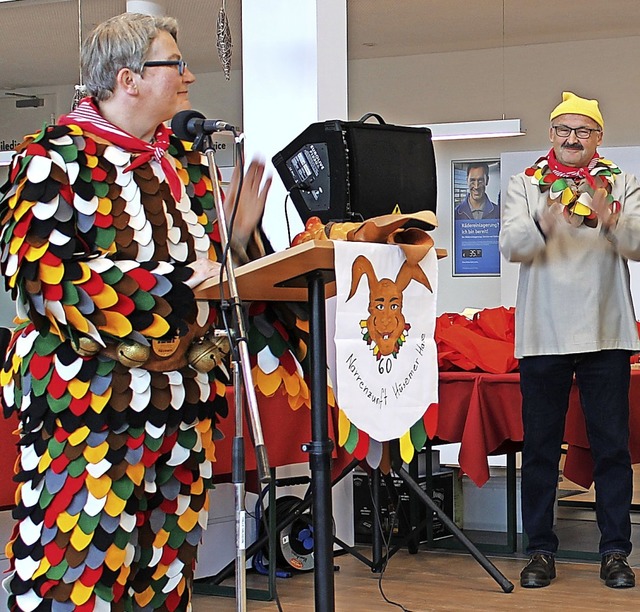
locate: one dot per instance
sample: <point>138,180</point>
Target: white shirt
<point>574,291</point>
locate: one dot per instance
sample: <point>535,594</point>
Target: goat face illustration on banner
<point>385,384</point>
<point>385,329</point>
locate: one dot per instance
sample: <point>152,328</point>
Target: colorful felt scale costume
<point>116,461</point>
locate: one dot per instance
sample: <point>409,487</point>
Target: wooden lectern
<point>302,274</point>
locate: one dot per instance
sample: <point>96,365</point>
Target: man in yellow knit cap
<point>572,221</point>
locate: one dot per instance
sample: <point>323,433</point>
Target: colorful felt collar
<point>574,187</point>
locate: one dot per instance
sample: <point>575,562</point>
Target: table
<point>284,430</point>
<point>482,411</point>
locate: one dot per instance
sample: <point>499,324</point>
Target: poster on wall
<point>476,217</point>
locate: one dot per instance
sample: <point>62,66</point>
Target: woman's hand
<point>203,269</point>
<point>253,198</point>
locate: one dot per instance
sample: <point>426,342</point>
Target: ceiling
<point>39,42</point>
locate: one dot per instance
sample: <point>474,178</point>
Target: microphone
<point>189,124</point>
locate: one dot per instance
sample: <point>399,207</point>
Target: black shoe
<point>615,571</point>
<point>539,572</point>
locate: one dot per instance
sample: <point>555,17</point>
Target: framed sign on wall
<point>476,217</point>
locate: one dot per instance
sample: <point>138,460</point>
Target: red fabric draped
<point>484,343</point>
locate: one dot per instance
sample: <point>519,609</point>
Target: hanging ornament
<point>80,91</point>
<point>223,40</point>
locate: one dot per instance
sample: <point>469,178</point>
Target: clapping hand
<point>251,203</point>
<point>550,218</point>
<point>600,206</point>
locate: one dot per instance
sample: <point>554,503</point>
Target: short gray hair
<point>120,42</point>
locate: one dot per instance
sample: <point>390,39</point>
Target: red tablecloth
<point>284,431</point>
<point>8,454</point>
<point>483,412</point>
<point>578,465</point>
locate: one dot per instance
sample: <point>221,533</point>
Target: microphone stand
<point>241,376</point>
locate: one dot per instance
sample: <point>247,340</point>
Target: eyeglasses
<point>564,131</point>
<point>181,64</point>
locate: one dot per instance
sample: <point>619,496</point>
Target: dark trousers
<point>603,380</point>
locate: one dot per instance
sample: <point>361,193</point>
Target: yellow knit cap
<point>575,105</point>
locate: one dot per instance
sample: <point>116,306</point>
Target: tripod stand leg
<point>376,534</point>
<point>492,570</point>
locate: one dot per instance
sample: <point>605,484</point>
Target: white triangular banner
<point>386,368</point>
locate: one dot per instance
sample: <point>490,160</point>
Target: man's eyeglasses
<point>564,131</point>
<point>181,64</point>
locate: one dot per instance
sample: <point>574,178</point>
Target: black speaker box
<point>353,170</point>
<point>393,512</point>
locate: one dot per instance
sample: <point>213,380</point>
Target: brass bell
<point>132,354</point>
<point>206,353</point>
<point>85,346</point>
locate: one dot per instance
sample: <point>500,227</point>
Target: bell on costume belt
<point>206,353</point>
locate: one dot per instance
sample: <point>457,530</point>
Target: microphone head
<point>180,123</point>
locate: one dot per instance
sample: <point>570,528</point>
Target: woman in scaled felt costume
<point>108,223</point>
